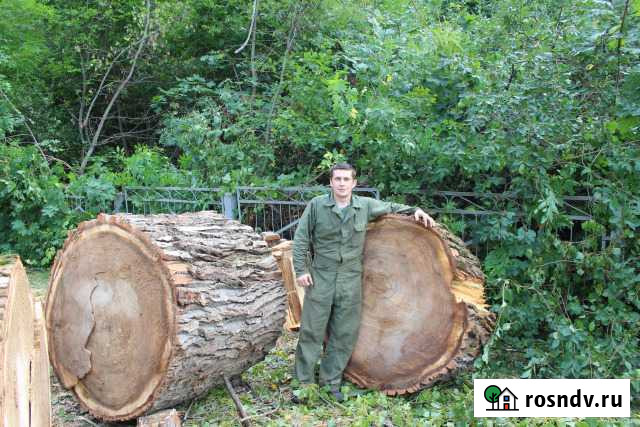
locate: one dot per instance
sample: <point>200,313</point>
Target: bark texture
<point>424,316</point>
<point>145,312</point>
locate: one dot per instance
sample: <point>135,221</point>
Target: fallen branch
<point>186,414</point>
<point>264,414</point>
<point>244,418</point>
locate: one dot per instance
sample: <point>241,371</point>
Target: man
<point>332,228</point>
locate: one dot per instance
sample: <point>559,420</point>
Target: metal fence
<point>147,200</point>
<point>85,204</point>
<point>480,219</point>
<point>279,209</point>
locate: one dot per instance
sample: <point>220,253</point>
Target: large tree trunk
<point>145,312</point>
<point>24,391</point>
<point>424,317</point>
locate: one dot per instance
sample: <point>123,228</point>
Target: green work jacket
<point>334,241</point>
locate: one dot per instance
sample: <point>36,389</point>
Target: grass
<point>266,389</point>
<point>39,281</point>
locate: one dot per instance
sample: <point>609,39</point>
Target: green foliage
<point>214,139</point>
<point>148,167</point>
<point>32,206</point>
<point>535,98</point>
<point>267,387</point>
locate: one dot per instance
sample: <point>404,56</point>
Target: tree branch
<point>26,124</point>
<point>251,27</point>
<point>244,419</point>
<point>254,75</point>
<point>101,86</point>
<point>295,21</point>
<point>620,33</point>
<point>121,86</point>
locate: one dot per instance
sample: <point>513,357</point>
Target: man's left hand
<point>424,218</point>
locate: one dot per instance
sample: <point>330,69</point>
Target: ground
<point>266,390</point>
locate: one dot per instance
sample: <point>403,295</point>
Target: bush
<point>35,217</point>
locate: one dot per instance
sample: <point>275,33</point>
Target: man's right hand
<point>305,280</point>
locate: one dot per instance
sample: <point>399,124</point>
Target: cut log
<point>146,312</point>
<point>16,343</point>
<point>424,316</point>
<point>40,378</point>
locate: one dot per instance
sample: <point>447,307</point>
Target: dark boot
<point>301,393</point>
<point>337,394</point>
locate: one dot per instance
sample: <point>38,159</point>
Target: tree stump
<point>24,392</point>
<point>424,317</point>
<point>145,312</point>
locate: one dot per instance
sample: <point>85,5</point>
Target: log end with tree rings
<point>16,343</point>
<point>423,317</point>
<point>147,311</point>
<point>110,314</point>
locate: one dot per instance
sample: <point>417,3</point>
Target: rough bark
<point>424,317</point>
<point>165,304</point>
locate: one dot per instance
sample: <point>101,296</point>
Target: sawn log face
<point>165,304</point>
<point>424,317</point>
<point>18,350</point>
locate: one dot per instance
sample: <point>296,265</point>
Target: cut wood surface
<point>168,418</point>
<point>295,294</point>
<point>40,378</point>
<point>424,317</point>
<point>24,368</point>
<point>145,312</point>
<point>16,342</point>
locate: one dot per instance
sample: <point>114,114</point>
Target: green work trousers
<point>333,304</point>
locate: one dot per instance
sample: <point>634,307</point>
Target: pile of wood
<point>25,398</point>
<point>424,317</point>
<point>145,312</point>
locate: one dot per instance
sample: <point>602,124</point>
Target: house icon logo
<point>501,400</point>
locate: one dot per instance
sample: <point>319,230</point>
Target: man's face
<point>342,183</point>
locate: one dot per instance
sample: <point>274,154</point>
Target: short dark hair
<point>342,166</point>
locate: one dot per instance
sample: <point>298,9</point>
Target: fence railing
<point>146,200</point>
<point>279,209</point>
<point>478,218</point>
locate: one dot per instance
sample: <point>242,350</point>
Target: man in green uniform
<point>332,229</point>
